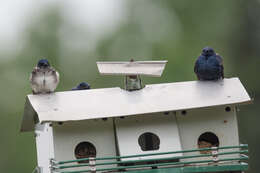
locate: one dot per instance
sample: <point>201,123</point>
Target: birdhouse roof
<point>116,102</point>
<point>148,68</point>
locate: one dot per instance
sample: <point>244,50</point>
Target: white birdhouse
<point>115,122</point>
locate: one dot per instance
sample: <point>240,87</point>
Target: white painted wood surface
<point>44,146</point>
<point>130,128</point>
<point>216,120</point>
<point>115,102</point>
<point>98,132</point>
<point>148,68</point>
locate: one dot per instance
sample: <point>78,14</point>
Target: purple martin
<point>44,78</point>
<point>209,65</point>
<point>82,86</point>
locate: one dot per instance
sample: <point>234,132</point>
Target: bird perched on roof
<point>209,65</point>
<point>82,86</point>
<point>44,78</point>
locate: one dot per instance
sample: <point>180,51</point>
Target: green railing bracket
<point>212,163</point>
<point>221,168</point>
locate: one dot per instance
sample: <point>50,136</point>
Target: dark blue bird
<point>82,86</point>
<point>209,65</point>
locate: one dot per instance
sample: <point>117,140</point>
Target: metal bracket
<point>214,152</point>
<point>133,82</point>
<point>92,164</point>
<point>52,165</point>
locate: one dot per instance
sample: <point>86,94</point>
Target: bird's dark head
<point>208,51</point>
<point>82,86</point>
<point>43,63</point>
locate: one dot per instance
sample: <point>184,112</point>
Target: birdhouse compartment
<point>84,139</point>
<point>148,133</point>
<point>208,127</point>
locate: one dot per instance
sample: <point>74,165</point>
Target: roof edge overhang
<point>29,116</point>
<point>170,110</point>
<point>29,121</point>
<point>32,116</point>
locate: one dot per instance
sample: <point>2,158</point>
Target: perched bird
<point>82,86</point>
<point>205,144</point>
<point>44,78</point>
<point>209,65</point>
<point>207,140</point>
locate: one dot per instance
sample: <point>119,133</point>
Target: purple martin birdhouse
<point>175,127</point>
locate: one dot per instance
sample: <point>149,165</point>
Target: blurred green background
<point>115,30</point>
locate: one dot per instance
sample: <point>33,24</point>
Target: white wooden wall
<point>99,132</point>
<point>44,146</point>
<point>130,128</point>
<point>217,120</point>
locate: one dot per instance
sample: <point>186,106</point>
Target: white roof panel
<point>114,102</point>
<point>149,68</point>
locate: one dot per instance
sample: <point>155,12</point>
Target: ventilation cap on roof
<point>132,70</point>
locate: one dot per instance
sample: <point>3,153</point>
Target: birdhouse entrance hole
<point>207,140</point>
<point>85,150</point>
<point>149,141</point>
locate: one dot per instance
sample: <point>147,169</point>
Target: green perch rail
<point>175,164</point>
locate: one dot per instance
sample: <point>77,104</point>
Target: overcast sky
<point>96,14</point>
